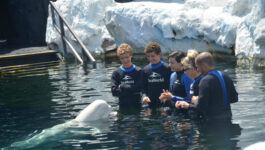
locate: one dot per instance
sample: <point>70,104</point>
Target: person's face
<point>191,72</point>
<point>153,58</point>
<point>126,60</point>
<point>174,65</point>
<point>201,68</point>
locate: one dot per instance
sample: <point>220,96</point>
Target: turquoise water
<point>39,97</point>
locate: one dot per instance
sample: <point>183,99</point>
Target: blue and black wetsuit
<point>179,87</point>
<point>216,92</point>
<point>156,78</point>
<point>130,82</point>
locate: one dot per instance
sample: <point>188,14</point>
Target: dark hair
<point>152,47</point>
<point>178,55</point>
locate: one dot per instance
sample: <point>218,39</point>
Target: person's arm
<point>115,84</point>
<point>145,84</point>
<point>186,81</point>
<point>204,96</point>
<point>231,90</point>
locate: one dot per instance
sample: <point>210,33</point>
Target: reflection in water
<point>33,103</point>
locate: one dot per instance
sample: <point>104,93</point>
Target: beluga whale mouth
<point>91,120</point>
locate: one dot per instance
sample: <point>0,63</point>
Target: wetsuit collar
<point>219,75</point>
<point>180,72</point>
<point>127,69</point>
<point>199,77</point>
<point>156,65</point>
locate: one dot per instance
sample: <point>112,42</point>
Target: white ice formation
<point>229,26</point>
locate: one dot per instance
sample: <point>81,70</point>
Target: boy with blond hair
<point>126,81</point>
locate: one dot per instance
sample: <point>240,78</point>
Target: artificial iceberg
<point>231,26</point>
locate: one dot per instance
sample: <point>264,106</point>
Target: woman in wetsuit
<point>190,69</point>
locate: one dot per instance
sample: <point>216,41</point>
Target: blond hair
<point>189,60</point>
<point>124,48</point>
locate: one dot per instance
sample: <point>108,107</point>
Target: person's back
<point>211,97</point>
<point>216,90</point>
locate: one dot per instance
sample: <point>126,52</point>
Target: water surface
<point>36,98</point>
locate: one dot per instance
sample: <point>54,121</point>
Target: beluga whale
<point>91,120</point>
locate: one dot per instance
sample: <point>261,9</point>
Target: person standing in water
<point>179,87</point>
<point>156,75</point>
<point>190,69</point>
<point>216,91</point>
<point>126,81</point>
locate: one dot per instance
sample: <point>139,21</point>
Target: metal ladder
<point>86,54</point>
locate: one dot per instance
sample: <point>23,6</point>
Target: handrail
<point>62,21</point>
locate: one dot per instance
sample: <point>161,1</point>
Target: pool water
<point>34,98</point>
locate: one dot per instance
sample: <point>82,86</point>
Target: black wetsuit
<point>130,81</point>
<point>156,78</point>
<point>211,103</point>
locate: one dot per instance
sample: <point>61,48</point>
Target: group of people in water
<point>188,82</point>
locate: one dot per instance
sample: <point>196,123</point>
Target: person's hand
<point>182,104</point>
<point>178,105</point>
<point>162,98</point>
<point>119,86</point>
<point>194,99</point>
<point>146,100</point>
<point>165,96</point>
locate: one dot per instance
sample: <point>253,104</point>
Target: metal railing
<point>86,54</point>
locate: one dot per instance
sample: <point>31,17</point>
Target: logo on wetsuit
<point>127,80</point>
<point>155,77</point>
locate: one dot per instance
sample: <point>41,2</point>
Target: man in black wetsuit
<point>216,91</point>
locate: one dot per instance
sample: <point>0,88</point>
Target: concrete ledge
<point>28,58</point>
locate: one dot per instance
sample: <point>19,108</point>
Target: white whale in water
<point>91,120</point>
<point>256,146</point>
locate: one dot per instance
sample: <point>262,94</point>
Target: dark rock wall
<point>23,22</point>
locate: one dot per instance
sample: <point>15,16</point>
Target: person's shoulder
<point>166,65</point>
<point>226,77</point>
<point>146,67</point>
<point>208,78</point>
<point>185,76</point>
<point>117,71</point>
<point>137,68</point>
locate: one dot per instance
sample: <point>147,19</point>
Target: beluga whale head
<point>98,109</point>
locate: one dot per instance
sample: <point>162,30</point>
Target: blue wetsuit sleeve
<point>186,81</point>
<point>169,89</point>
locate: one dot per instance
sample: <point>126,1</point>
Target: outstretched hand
<point>165,96</point>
